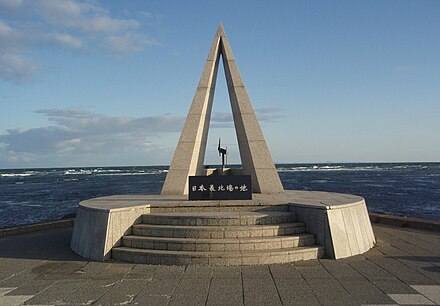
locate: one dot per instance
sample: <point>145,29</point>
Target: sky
<point>109,83</point>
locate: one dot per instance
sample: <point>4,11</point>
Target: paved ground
<point>404,268</point>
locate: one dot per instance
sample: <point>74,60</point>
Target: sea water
<point>35,195</point>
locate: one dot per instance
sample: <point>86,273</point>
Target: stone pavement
<point>403,269</point>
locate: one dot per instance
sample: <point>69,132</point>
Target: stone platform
<point>159,229</point>
<point>218,239</point>
<point>403,268</point>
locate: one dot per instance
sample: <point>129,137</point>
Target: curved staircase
<point>218,239</point>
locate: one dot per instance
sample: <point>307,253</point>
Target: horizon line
<point>213,165</point>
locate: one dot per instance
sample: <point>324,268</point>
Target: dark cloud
<point>90,123</point>
<point>78,131</point>
<point>81,136</point>
<point>38,140</point>
<point>221,117</point>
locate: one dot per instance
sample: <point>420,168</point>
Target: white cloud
<point>54,113</point>
<point>76,133</point>
<point>16,68</point>
<point>5,30</point>
<point>30,24</point>
<point>128,42</point>
<point>83,16</point>
<point>67,40</point>
<point>107,24</point>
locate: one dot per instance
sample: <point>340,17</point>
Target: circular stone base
<point>316,199</point>
<point>338,222</point>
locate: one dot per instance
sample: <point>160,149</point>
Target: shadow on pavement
<point>419,258</point>
<point>433,260</point>
<point>46,245</point>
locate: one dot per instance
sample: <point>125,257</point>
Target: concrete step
<point>232,258</point>
<point>218,218</point>
<point>217,232</point>
<point>216,245</point>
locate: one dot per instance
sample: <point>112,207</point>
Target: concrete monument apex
<point>190,152</point>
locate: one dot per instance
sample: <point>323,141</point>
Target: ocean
<point>34,195</point>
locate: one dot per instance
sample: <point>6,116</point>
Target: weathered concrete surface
<point>40,269</point>
<point>167,239</point>
<point>339,222</point>
<point>98,230</point>
<point>190,152</point>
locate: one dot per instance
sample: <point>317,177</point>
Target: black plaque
<point>220,187</point>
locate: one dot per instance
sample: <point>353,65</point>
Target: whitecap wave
<point>123,174</point>
<point>77,172</point>
<point>327,168</point>
<point>106,170</point>
<point>151,172</point>
<point>15,174</point>
<point>112,172</point>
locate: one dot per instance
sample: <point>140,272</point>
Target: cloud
<point>89,123</point>
<point>15,68</point>
<point>10,4</point>
<point>81,137</point>
<point>221,117</point>
<point>5,30</point>
<point>67,40</point>
<point>128,43</point>
<point>76,133</point>
<point>266,114</point>
<point>269,114</point>
<point>405,68</point>
<point>268,110</point>
<point>28,25</point>
<point>80,15</point>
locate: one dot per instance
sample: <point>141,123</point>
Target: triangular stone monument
<point>119,226</point>
<point>190,152</point>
